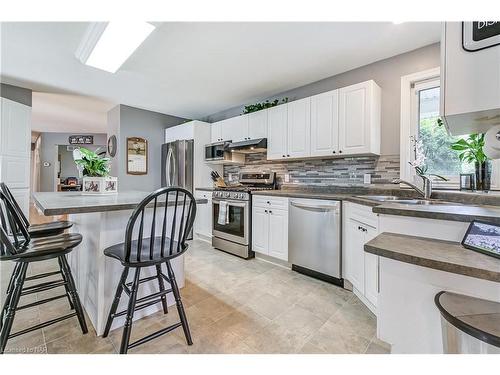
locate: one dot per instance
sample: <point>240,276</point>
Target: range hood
<point>470,76</point>
<point>251,146</point>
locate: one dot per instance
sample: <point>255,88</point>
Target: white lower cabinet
<point>360,268</point>
<point>270,227</point>
<point>203,221</point>
<point>260,230</point>
<point>278,234</point>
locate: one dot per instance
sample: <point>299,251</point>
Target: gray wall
<point>387,73</point>
<point>48,153</point>
<point>68,165</point>
<point>16,94</point>
<point>124,122</point>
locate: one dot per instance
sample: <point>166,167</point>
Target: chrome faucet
<point>425,193</point>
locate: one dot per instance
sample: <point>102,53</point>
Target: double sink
<point>402,200</point>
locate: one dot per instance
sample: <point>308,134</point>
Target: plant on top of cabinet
<point>267,104</point>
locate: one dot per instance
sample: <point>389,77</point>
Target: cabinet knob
<point>283,156</point>
<point>268,202</point>
<point>333,152</point>
<point>265,211</point>
<point>340,151</point>
<point>288,156</point>
<point>270,211</point>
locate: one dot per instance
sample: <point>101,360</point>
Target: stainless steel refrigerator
<point>177,164</point>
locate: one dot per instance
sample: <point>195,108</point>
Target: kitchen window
<point>419,121</point>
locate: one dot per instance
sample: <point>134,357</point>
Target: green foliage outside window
<point>437,143</point>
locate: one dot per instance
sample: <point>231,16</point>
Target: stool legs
<point>15,272</point>
<point>127,328</point>
<point>12,305</point>
<point>162,288</point>
<point>180,307</point>
<point>73,294</point>
<point>66,285</point>
<point>116,301</point>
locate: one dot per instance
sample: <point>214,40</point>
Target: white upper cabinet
<point>216,132</point>
<point>277,132</point>
<point>289,130</point>
<point>359,119</point>
<point>257,124</point>
<point>299,128</point>
<point>15,149</point>
<point>335,123</point>
<point>235,129</point>
<point>15,129</point>
<point>325,124</point>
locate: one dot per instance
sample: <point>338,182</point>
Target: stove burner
<point>248,182</point>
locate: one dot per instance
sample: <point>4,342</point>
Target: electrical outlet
<point>367,178</point>
<point>287,177</point>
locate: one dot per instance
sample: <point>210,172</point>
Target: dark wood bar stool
<point>153,251</point>
<point>20,248</point>
<point>36,230</point>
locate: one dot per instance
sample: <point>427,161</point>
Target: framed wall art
<point>137,156</point>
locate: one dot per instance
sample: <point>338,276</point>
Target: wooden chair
<point>150,250</point>
<point>20,248</point>
<point>36,230</point>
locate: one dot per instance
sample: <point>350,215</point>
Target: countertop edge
<point>93,209</point>
<point>460,269</point>
<point>385,208</point>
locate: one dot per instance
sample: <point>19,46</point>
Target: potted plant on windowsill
<point>471,150</point>
<point>95,170</point>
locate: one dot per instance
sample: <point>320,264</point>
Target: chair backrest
<point>174,209</point>
<point>5,189</point>
<point>11,222</point>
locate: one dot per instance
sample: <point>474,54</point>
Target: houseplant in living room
<point>471,150</point>
<point>95,170</point>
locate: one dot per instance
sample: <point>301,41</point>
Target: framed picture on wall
<point>137,156</point>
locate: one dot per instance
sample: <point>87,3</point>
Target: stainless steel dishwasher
<point>314,238</point>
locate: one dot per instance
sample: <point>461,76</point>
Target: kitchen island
<point>101,220</point>
<point>412,271</point>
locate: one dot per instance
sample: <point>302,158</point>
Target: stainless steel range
<point>232,224</point>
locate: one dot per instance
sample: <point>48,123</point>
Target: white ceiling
<point>69,113</point>
<point>196,69</point>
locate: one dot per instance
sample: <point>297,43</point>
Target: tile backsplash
<point>322,172</point>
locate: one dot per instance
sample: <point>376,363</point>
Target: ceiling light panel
<point>117,43</point>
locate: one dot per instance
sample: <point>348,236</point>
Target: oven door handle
<point>231,203</point>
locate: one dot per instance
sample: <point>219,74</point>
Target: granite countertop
<point>477,317</point>
<point>444,211</point>
<point>436,254</point>
<point>318,195</point>
<point>62,203</point>
<point>448,211</point>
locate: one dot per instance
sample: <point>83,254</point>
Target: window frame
<point>409,128</point>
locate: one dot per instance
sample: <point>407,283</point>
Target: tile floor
<point>233,306</point>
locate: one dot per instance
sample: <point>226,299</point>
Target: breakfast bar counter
<point>412,271</point>
<point>101,220</point>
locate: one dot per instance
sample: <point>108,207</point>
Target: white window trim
<point>406,131</point>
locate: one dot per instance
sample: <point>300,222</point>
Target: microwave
<point>216,151</point>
